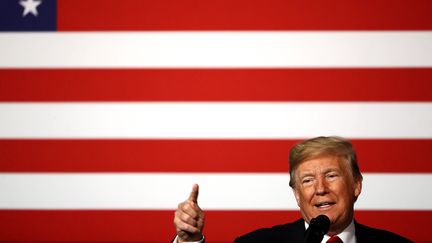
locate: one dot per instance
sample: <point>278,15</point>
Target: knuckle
<point>177,222</point>
<point>182,226</point>
<point>180,205</point>
<point>185,217</point>
<point>177,215</point>
<point>186,206</point>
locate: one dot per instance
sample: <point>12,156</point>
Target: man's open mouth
<point>324,204</point>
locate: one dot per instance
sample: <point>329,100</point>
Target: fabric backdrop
<point>111,110</point>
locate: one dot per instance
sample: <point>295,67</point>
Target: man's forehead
<point>322,164</point>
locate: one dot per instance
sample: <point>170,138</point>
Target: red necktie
<point>334,239</point>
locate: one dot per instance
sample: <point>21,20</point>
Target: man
<point>325,179</point>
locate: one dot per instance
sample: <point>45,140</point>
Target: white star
<point>30,6</point>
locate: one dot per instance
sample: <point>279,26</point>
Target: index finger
<point>193,197</point>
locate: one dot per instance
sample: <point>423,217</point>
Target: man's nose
<point>321,186</point>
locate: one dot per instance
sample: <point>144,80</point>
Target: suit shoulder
<point>277,233</point>
<point>368,234</point>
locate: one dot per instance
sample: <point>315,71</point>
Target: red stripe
<point>409,84</point>
<point>195,155</point>
<point>244,15</point>
<point>156,226</point>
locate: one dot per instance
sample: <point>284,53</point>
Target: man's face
<point>325,185</point>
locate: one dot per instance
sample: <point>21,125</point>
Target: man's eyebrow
<point>305,174</point>
<point>331,170</point>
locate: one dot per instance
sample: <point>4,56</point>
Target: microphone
<point>318,227</point>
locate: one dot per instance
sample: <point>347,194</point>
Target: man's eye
<point>305,181</point>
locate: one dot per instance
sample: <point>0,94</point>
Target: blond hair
<point>323,146</point>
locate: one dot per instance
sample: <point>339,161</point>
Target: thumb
<point>193,197</point>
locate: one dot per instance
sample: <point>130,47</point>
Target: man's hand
<point>189,218</point>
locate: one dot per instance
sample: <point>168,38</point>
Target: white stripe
<point>216,120</point>
<point>218,191</point>
<point>217,49</point>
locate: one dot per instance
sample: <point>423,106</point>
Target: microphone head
<point>322,223</point>
<point>318,227</point>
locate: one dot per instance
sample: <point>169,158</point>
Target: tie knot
<point>334,239</point>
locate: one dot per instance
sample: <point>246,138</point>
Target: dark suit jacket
<point>294,233</point>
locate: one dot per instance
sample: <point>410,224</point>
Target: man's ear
<point>296,195</point>
<point>357,187</point>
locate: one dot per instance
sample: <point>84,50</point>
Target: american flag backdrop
<point>111,110</point>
